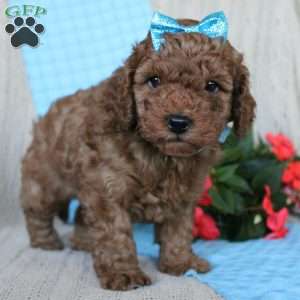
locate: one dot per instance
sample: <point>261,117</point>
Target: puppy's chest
<point>160,195</point>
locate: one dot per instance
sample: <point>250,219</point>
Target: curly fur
<point>109,146</point>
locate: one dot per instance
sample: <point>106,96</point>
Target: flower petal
<point>291,175</point>
<point>206,200</point>
<point>281,146</point>
<point>287,176</point>
<point>277,221</point>
<point>208,183</point>
<point>277,234</point>
<point>296,184</point>
<point>267,203</point>
<point>198,215</point>
<point>207,228</point>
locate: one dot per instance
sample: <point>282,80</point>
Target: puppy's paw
<point>52,243</point>
<point>200,265</point>
<point>177,267</point>
<point>123,281</point>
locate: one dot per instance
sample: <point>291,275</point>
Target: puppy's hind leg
<point>81,239</point>
<point>39,206</point>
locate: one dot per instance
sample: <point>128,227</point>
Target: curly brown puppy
<point>137,147</point>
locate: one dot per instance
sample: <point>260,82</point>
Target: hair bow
<point>214,26</point>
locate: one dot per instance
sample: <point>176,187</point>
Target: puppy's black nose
<point>179,123</point>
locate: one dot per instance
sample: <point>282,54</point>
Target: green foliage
<point>270,175</point>
<point>220,203</point>
<point>239,185</point>
<point>241,228</point>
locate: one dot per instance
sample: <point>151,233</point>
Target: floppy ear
<point>139,53</point>
<point>243,104</point>
<point>115,96</point>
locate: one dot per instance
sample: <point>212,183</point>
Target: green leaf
<point>249,230</point>
<point>247,145</point>
<point>248,169</point>
<point>227,201</point>
<point>238,184</point>
<point>263,149</point>
<point>241,228</point>
<point>218,201</point>
<point>252,200</point>
<point>240,203</point>
<point>235,202</point>
<point>231,155</point>
<point>224,173</point>
<point>231,141</point>
<point>279,200</point>
<point>228,196</point>
<point>269,176</point>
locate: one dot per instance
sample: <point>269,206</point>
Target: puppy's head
<point>185,93</point>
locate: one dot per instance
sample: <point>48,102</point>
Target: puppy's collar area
<point>214,26</point>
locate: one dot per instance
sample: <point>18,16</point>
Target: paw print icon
<point>24,31</point>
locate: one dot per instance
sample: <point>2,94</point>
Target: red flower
<point>291,176</point>
<point>276,223</point>
<point>205,226</point>
<point>267,203</point>
<point>275,220</point>
<point>205,198</point>
<point>281,146</point>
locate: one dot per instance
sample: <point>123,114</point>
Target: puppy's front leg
<point>175,238</point>
<point>114,251</point>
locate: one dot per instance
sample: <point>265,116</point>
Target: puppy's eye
<point>212,86</point>
<point>153,82</point>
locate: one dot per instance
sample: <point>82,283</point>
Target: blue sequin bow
<point>214,26</point>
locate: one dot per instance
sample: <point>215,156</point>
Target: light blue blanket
<point>83,42</point>
<point>253,270</point>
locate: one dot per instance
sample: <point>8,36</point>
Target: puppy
<point>136,148</point>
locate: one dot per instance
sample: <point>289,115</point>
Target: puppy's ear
<point>243,104</point>
<point>126,84</point>
<point>139,52</point>
<point>116,95</point>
